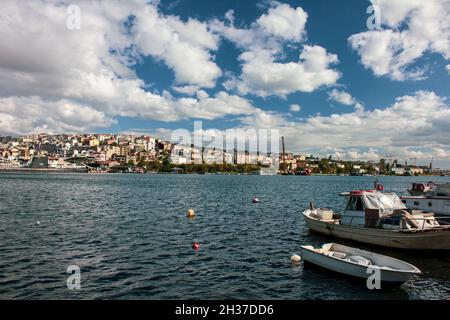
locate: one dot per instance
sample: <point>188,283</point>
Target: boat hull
<point>439,205</point>
<point>416,193</point>
<point>355,270</point>
<point>420,240</point>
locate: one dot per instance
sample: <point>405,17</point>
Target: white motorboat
<point>381,219</point>
<point>437,200</point>
<point>422,188</point>
<point>359,263</point>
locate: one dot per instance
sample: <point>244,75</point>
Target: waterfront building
<point>93,142</point>
<point>39,162</point>
<point>399,171</point>
<point>124,150</point>
<point>415,171</point>
<point>103,137</point>
<point>8,164</point>
<point>112,150</point>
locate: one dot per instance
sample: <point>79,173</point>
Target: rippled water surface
<point>131,238</point>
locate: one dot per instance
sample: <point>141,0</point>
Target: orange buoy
<point>190,213</point>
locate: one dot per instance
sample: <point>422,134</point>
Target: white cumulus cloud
<point>294,107</point>
<point>19,115</point>
<point>345,98</point>
<point>416,125</point>
<point>284,21</point>
<point>263,76</point>
<point>342,97</point>
<point>264,72</point>
<point>409,30</point>
<point>46,68</point>
<point>183,46</point>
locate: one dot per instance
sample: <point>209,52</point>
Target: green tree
<point>382,166</point>
<point>154,166</point>
<point>142,163</point>
<point>388,169</point>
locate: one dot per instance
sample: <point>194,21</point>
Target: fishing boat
<point>382,219</point>
<point>359,263</point>
<point>437,201</point>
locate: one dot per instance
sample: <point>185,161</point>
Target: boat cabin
<point>422,188</point>
<point>367,207</point>
<point>438,201</point>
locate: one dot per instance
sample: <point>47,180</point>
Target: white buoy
<point>255,200</point>
<point>295,258</point>
<point>38,222</point>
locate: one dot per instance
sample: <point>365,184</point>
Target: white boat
<point>422,188</point>
<point>381,219</point>
<point>437,200</point>
<point>270,171</point>
<point>359,263</point>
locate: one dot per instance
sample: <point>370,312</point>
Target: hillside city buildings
<point>107,152</point>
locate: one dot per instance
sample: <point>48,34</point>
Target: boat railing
<point>439,219</point>
<point>403,219</point>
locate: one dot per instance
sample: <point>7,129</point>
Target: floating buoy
<point>38,222</point>
<point>295,258</point>
<point>255,200</point>
<point>191,213</point>
<point>195,246</point>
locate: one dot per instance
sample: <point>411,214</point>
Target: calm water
<point>132,240</point>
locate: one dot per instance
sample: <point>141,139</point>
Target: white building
<point>150,144</point>
<point>399,171</point>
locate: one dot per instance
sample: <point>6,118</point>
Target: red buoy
<point>195,246</point>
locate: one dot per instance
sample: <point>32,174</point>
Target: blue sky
<point>329,24</point>
<point>363,93</point>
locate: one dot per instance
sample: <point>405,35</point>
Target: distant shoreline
<point>44,170</point>
<point>79,171</point>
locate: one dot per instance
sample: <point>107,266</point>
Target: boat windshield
<point>355,204</point>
